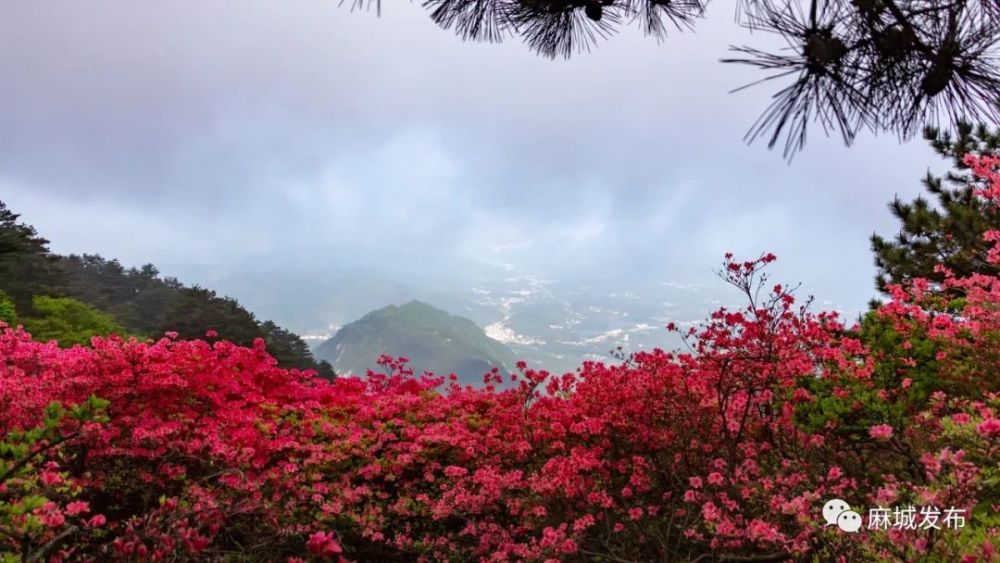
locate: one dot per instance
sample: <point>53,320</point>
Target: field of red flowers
<point>202,450</point>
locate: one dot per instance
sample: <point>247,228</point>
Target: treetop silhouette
<point>885,66</point>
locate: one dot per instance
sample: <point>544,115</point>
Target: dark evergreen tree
<point>138,300</point>
<point>26,265</point>
<point>152,298</point>
<point>290,350</point>
<point>198,310</point>
<point>949,230</point>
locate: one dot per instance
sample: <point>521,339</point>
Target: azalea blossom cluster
<point>197,450</point>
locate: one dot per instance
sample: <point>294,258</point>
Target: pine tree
<point>26,265</point>
<point>71,298</point>
<point>846,65</point>
<point>291,351</point>
<point>948,231</point>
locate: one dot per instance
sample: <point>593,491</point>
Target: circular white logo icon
<point>849,521</point>
<point>832,509</point>
<point>838,513</point>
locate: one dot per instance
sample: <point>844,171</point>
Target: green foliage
<point>26,266</point>
<point>903,377</point>
<point>8,313</point>
<point>68,321</point>
<point>198,309</point>
<point>146,303</point>
<point>23,454</point>
<point>138,297</point>
<point>137,300</point>
<point>430,338</point>
<point>901,358</point>
<point>950,232</point>
<point>291,351</point>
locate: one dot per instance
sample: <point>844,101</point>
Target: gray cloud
<point>254,134</point>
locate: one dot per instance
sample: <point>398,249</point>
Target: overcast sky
<point>239,135</point>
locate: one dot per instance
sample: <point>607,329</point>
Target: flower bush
<point>726,451</point>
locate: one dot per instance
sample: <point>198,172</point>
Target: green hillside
<point>432,339</point>
<point>71,298</point>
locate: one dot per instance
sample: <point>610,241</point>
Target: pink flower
<point>48,478</point>
<point>568,546</point>
<point>323,544</point>
<point>77,507</point>
<point>710,511</point>
<point>886,495</point>
<point>53,519</point>
<point>989,427</point>
<point>50,515</point>
<point>760,530</point>
<point>96,521</point>
<point>715,478</point>
<point>695,482</point>
<point>907,382</point>
<point>880,432</point>
<point>584,522</point>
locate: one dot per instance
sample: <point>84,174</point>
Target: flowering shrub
<point>42,511</point>
<point>726,451</point>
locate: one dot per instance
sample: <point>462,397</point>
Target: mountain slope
<point>138,300</point>
<point>432,339</point>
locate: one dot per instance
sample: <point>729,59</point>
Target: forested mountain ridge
<point>100,295</point>
<point>432,339</point>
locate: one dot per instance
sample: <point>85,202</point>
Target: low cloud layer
<point>228,136</point>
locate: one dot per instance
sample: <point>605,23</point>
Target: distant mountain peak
<point>433,339</point>
<point>416,307</point>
